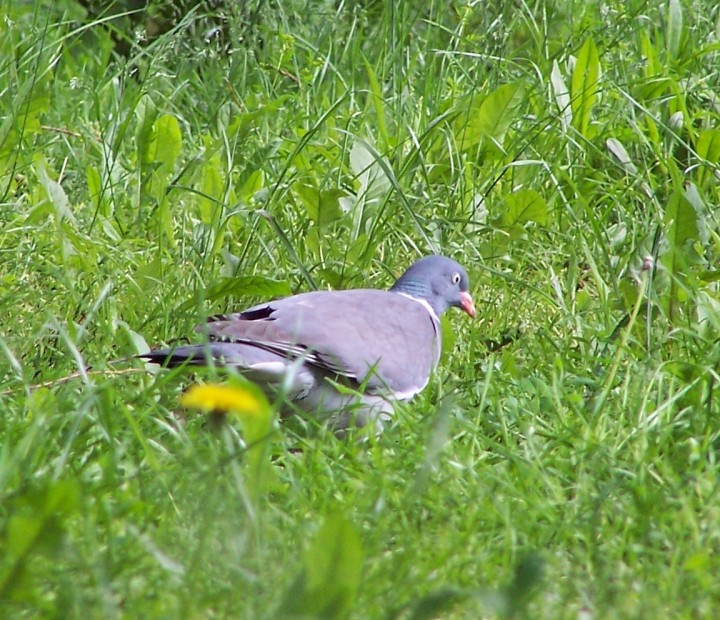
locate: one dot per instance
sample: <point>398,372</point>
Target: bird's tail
<point>212,354</point>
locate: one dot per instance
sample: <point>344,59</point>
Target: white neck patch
<point>424,304</point>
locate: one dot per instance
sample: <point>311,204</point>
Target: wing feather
<point>379,338</point>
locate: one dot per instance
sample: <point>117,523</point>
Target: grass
<point>561,464</point>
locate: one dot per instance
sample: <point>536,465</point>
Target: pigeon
<point>344,357</point>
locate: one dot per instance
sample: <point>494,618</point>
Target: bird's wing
<point>378,338</point>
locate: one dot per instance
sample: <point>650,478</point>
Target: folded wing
<point>379,339</point>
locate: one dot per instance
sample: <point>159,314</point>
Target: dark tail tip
<point>170,359</point>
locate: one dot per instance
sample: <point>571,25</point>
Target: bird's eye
<point>455,278</point>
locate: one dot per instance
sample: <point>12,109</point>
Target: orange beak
<point>466,303</point>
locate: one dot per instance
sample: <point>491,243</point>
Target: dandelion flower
<point>223,398</point>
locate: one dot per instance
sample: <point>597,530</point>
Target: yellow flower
<point>247,403</point>
<point>223,398</point>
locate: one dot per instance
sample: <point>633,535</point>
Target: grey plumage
<point>383,343</point>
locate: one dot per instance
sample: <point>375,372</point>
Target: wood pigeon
<point>308,349</point>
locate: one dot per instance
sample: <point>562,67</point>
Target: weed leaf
<point>585,80</point>
<point>331,574</point>
<point>674,28</point>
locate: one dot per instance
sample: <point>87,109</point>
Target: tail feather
<point>190,355</point>
<point>271,371</point>
<point>240,355</point>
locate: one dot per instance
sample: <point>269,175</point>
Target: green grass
<point>563,461</point>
